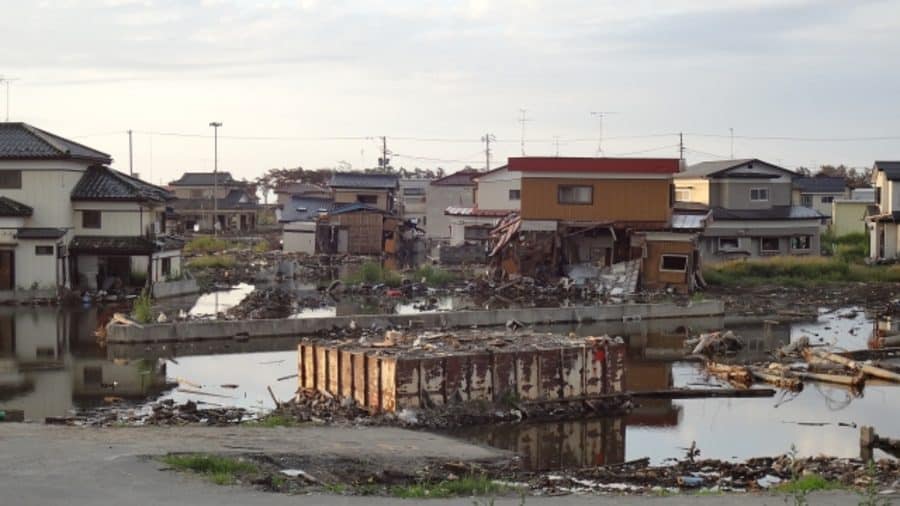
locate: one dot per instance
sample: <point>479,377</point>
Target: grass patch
<point>272,421</point>
<point>808,483</point>
<point>373,273</point>
<point>261,247</point>
<point>433,276</point>
<point>212,262</point>
<point>463,487</point>
<point>142,310</point>
<point>205,245</point>
<point>219,470</point>
<point>798,271</point>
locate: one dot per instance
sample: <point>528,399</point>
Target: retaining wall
<point>163,289</point>
<point>222,329</point>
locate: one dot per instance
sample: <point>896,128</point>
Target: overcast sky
<point>310,71</point>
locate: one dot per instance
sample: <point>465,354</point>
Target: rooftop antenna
<point>6,80</point>
<point>600,115</point>
<point>523,119</point>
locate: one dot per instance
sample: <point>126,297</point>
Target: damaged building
<point>582,215</point>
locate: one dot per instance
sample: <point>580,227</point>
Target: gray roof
<point>891,169</point>
<point>204,179</point>
<point>103,183</point>
<point>21,141</point>
<point>363,180</point>
<point>712,169</point>
<point>12,208</point>
<point>40,233</point>
<point>304,208</point>
<point>231,201</point>
<point>298,188</point>
<point>353,207</point>
<point>774,213</point>
<point>820,184</point>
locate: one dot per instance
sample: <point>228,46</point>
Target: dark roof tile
<point>103,183</point>
<point>304,208</point>
<point>363,180</point>
<point>40,233</point>
<point>820,184</point>
<point>23,141</point>
<point>461,178</point>
<point>11,208</point>
<point>204,179</point>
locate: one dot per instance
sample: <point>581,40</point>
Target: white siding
<point>492,190</point>
<point>299,237</point>
<point>117,218</point>
<point>46,188</point>
<point>439,198</point>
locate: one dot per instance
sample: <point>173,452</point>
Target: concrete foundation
<point>216,329</point>
<point>530,369</point>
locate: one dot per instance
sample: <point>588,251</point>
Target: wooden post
<point>866,442</point>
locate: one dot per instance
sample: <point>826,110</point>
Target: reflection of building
<point>56,353</point>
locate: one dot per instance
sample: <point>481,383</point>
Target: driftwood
<point>869,440</point>
<point>698,393</point>
<point>839,379</point>
<point>731,373</point>
<point>794,348</point>
<point>717,342</point>
<point>779,380</point>
<point>871,370</point>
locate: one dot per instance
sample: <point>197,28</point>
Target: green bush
<point>373,273</point>
<point>142,310</point>
<point>433,276</point>
<point>206,245</point>
<point>261,247</point>
<point>212,262</point>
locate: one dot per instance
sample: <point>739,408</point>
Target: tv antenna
<point>6,80</point>
<point>599,115</point>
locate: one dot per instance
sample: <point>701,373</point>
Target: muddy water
<point>51,365</point>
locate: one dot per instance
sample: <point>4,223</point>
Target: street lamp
<point>215,125</point>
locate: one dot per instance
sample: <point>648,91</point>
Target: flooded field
<point>51,365</point>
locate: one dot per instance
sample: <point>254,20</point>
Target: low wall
<point>27,295</point>
<point>219,329</point>
<point>163,289</point>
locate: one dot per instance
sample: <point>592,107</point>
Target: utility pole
<point>215,125</point>
<point>130,156</point>
<point>384,160</point>
<point>6,81</point>
<point>600,115</point>
<point>486,139</point>
<point>522,120</point>
<point>732,142</point>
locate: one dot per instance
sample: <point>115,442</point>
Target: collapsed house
<point>587,214</point>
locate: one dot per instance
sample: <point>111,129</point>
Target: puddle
<point>50,364</point>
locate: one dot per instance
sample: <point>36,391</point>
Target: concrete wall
<point>165,289</point>
<point>492,190</point>
<point>299,237</point>
<point>40,271</point>
<point>202,330</point>
<point>439,198</point>
<point>848,217</point>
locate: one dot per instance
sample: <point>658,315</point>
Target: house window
<point>682,195</point>
<point>827,200</point>
<point>673,263</point>
<point>90,219</point>
<point>570,194</point>
<point>801,242</point>
<point>196,194</point>
<point>515,194</point>
<point>367,199</point>
<point>759,194</point>
<point>10,179</point>
<point>806,200</point>
<point>166,267</point>
<point>728,243</point>
<point>769,245</point>
<point>43,250</point>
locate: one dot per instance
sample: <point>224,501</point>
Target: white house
<point>68,220</point>
<point>497,193</point>
<point>884,222</point>
<point>299,218</point>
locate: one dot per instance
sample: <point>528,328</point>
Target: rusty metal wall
<point>379,381</point>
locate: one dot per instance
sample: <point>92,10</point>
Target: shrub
<point>212,262</point>
<point>206,245</point>
<point>373,273</point>
<point>261,247</point>
<point>142,310</point>
<point>433,276</point>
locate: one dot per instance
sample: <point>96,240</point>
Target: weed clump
<point>212,262</point>
<point>205,245</point>
<point>142,310</point>
<point>219,470</point>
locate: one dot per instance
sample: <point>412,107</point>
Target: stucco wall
<point>848,217</point>
<point>492,190</point>
<point>116,218</point>
<point>34,269</point>
<point>299,237</point>
<point>46,188</point>
<point>439,198</point>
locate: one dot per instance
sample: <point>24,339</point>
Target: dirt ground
<point>764,300</point>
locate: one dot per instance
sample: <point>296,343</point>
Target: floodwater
<point>52,365</point>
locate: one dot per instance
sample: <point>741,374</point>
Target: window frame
<point>41,250</point>
<point>827,199</point>
<point>16,176</point>
<point>560,188</point>
<point>518,194</point>
<point>759,189</point>
<point>683,191</point>
<point>806,200</point>
<point>762,241</point>
<point>91,212</point>
<point>808,242</point>
<point>737,243</point>
<point>662,262</point>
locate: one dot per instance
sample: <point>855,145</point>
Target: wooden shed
<point>669,260</point>
<point>358,229</point>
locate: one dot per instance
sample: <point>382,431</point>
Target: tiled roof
<point>820,184</point>
<point>301,188</point>
<point>709,169</point>
<point>363,180</point>
<point>476,212</point>
<point>11,208</point>
<point>891,169</point>
<point>103,183</point>
<point>204,179</point>
<point>112,244</point>
<point>304,208</point>
<point>354,207</point>
<point>775,213</point>
<point>461,178</point>
<point>40,233</point>
<point>595,165</point>
<point>22,141</point>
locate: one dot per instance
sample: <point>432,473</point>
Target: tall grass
<point>212,262</point>
<point>206,245</point>
<point>433,276</point>
<point>142,310</point>
<point>373,273</point>
<point>849,248</point>
<point>797,271</point>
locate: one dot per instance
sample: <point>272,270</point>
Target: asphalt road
<point>46,466</point>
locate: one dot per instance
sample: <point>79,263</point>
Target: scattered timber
<point>871,370</point>
<point>701,393</point>
<point>869,440</point>
<point>779,380</point>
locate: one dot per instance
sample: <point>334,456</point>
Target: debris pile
<point>165,412</point>
<point>273,302</point>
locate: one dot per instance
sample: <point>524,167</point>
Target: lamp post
<point>215,125</point>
